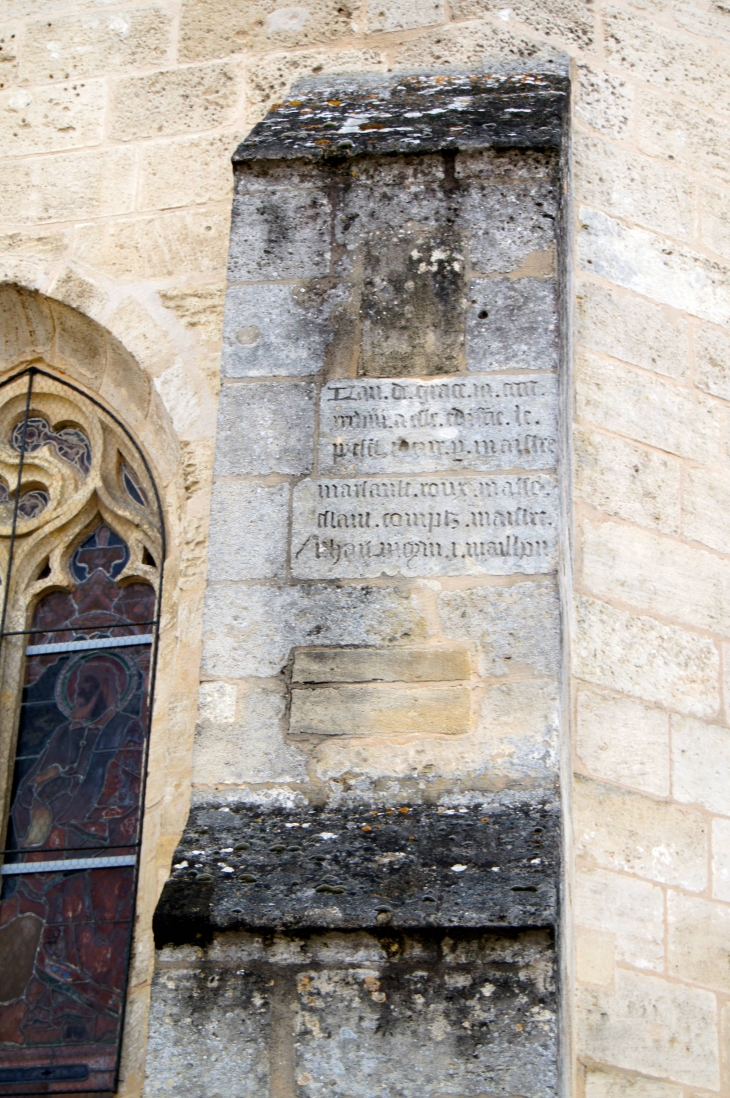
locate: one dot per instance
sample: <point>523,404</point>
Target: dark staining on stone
<point>238,868</point>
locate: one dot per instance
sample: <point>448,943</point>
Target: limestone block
<point>393,15</point>
<point>643,568</point>
<point>200,97</point>
<point>272,76</point>
<point>50,243</point>
<point>520,724</point>
<point>715,220</point>
<point>693,137</point>
<point>603,1084</point>
<point>700,761</point>
<point>721,859</point>
<point>265,427</point>
<point>26,324</point>
<point>698,941</point>
<point>214,28</point>
<point>156,247</point>
<point>281,233</point>
<point>48,118</point>
<point>712,349</point>
<point>706,508</point>
<point>72,289</point>
<point>508,223</point>
<point>646,1024</point>
<point>627,481</point>
<point>248,531</point>
<point>251,749</point>
<point>621,740</point>
<point>134,326</point>
<point>8,56</point>
<point>185,171</point>
<point>630,328</point>
<point>640,261</point>
<point>568,19</point>
<point>629,833</point>
<point>647,409</point>
<point>272,330</point>
<point>603,101</point>
<point>82,348</point>
<point>363,710</point>
<point>64,47</point>
<point>595,957</point>
<point>252,630</point>
<point>188,400</point>
<point>633,187</point>
<point>198,308</point>
<point>630,910</point>
<point>217,702</point>
<point>515,629</point>
<point>317,665</point>
<point>512,324</point>
<point>465,526</point>
<point>69,185</point>
<point>478,424</point>
<point>637,655</point>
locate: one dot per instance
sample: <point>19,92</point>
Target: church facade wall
<point>118,123</point>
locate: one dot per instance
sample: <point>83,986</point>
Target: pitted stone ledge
<point>344,118</point>
<point>243,867</point>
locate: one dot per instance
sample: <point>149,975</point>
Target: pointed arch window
<point>81,558</point>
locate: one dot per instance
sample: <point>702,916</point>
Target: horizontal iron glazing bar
<point>64,864</point>
<point>88,645</point>
<point>76,628</point>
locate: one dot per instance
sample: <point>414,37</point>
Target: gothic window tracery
<point>80,534</point>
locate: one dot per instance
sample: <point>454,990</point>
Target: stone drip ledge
<point>343,118</point>
<point>314,867</point>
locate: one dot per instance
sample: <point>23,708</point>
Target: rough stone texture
<point>366,710</point>
<point>630,910</point>
<point>265,428</point>
<point>416,865</point>
<point>700,760</point>
<point>270,330</point>
<point>287,234</point>
<point>721,859</point>
<point>698,947</point>
<point>248,535</point>
<point>338,1011</point>
<point>621,740</point>
<point>512,324</point>
<point>373,664</point>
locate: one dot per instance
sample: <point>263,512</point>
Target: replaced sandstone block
<point>373,664</point>
<point>349,710</point>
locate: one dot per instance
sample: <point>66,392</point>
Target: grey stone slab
<point>265,427</point>
<point>252,630</point>
<point>478,423</point>
<point>248,531</point>
<point>508,222</point>
<point>279,233</point>
<point>512,324</point>
<point>271,330</point>
<point>447,526</point>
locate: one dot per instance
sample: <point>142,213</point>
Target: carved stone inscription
<point>424,526</point>
<point>476,423</point>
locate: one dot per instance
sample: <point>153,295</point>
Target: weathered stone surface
<point>721,859</point>
<point>287,233</point>
<point>621,740</point>
<point>698,946</point>
<point>630,910</point>
<point>377,664</point>
<point>252,630</point>
<point>510,223</point>
<point>265,427</point>
<point>365,710</point>
<point>270,330</point>
<point>512,324</point>
<point>248,531</point>
<point>700,764</point>
<point>604,1084</point>
<point>358,528</point>
<point>174,101</point>
<point>479,424</point>
<point>342,867</point>
<point>336,1011</point>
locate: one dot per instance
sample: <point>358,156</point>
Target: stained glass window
<point>73,832</point>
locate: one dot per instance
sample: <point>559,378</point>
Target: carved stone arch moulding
<point>82,550</point>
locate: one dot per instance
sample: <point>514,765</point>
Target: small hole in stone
<point>147,558</point>
<point>483,314</point>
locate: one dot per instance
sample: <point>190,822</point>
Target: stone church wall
<point>118,124</point>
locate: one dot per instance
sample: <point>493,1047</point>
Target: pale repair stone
<point>603,1084</point>
<point>217,702</point>
<point>252,630</point>
<point>647,409</point>
<point>265,428</point>
<point>700,761</point>
<point>515,629</point>
<point>698,941</point>
<point>629,833</point>
<point>201,97</point>
<point>286,235</point>
<point>627,481</point>
<point>248,531</point>
<point>621,740</point>
<point>272,330</point>
<point>637,655</point>
<point>632,329</point>
<point>156,247</point>
<point>404,14</point>
<point>249,750</point>
<point>379,665</point>
<point>480,423</point>
<point>648,1025</point>
<point>721,859</point>
<point>630,910</point>
<point>185,171</point>
<point>51,117</point>
<point>363,710</point>
<point>135,327</point>
<point>603,101</point>
<point>68,185</point>
<point>199,308</point>
<point>712,348</point>
<point>595,957</point>
<point>350,528</point>
<point>512,324</point>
